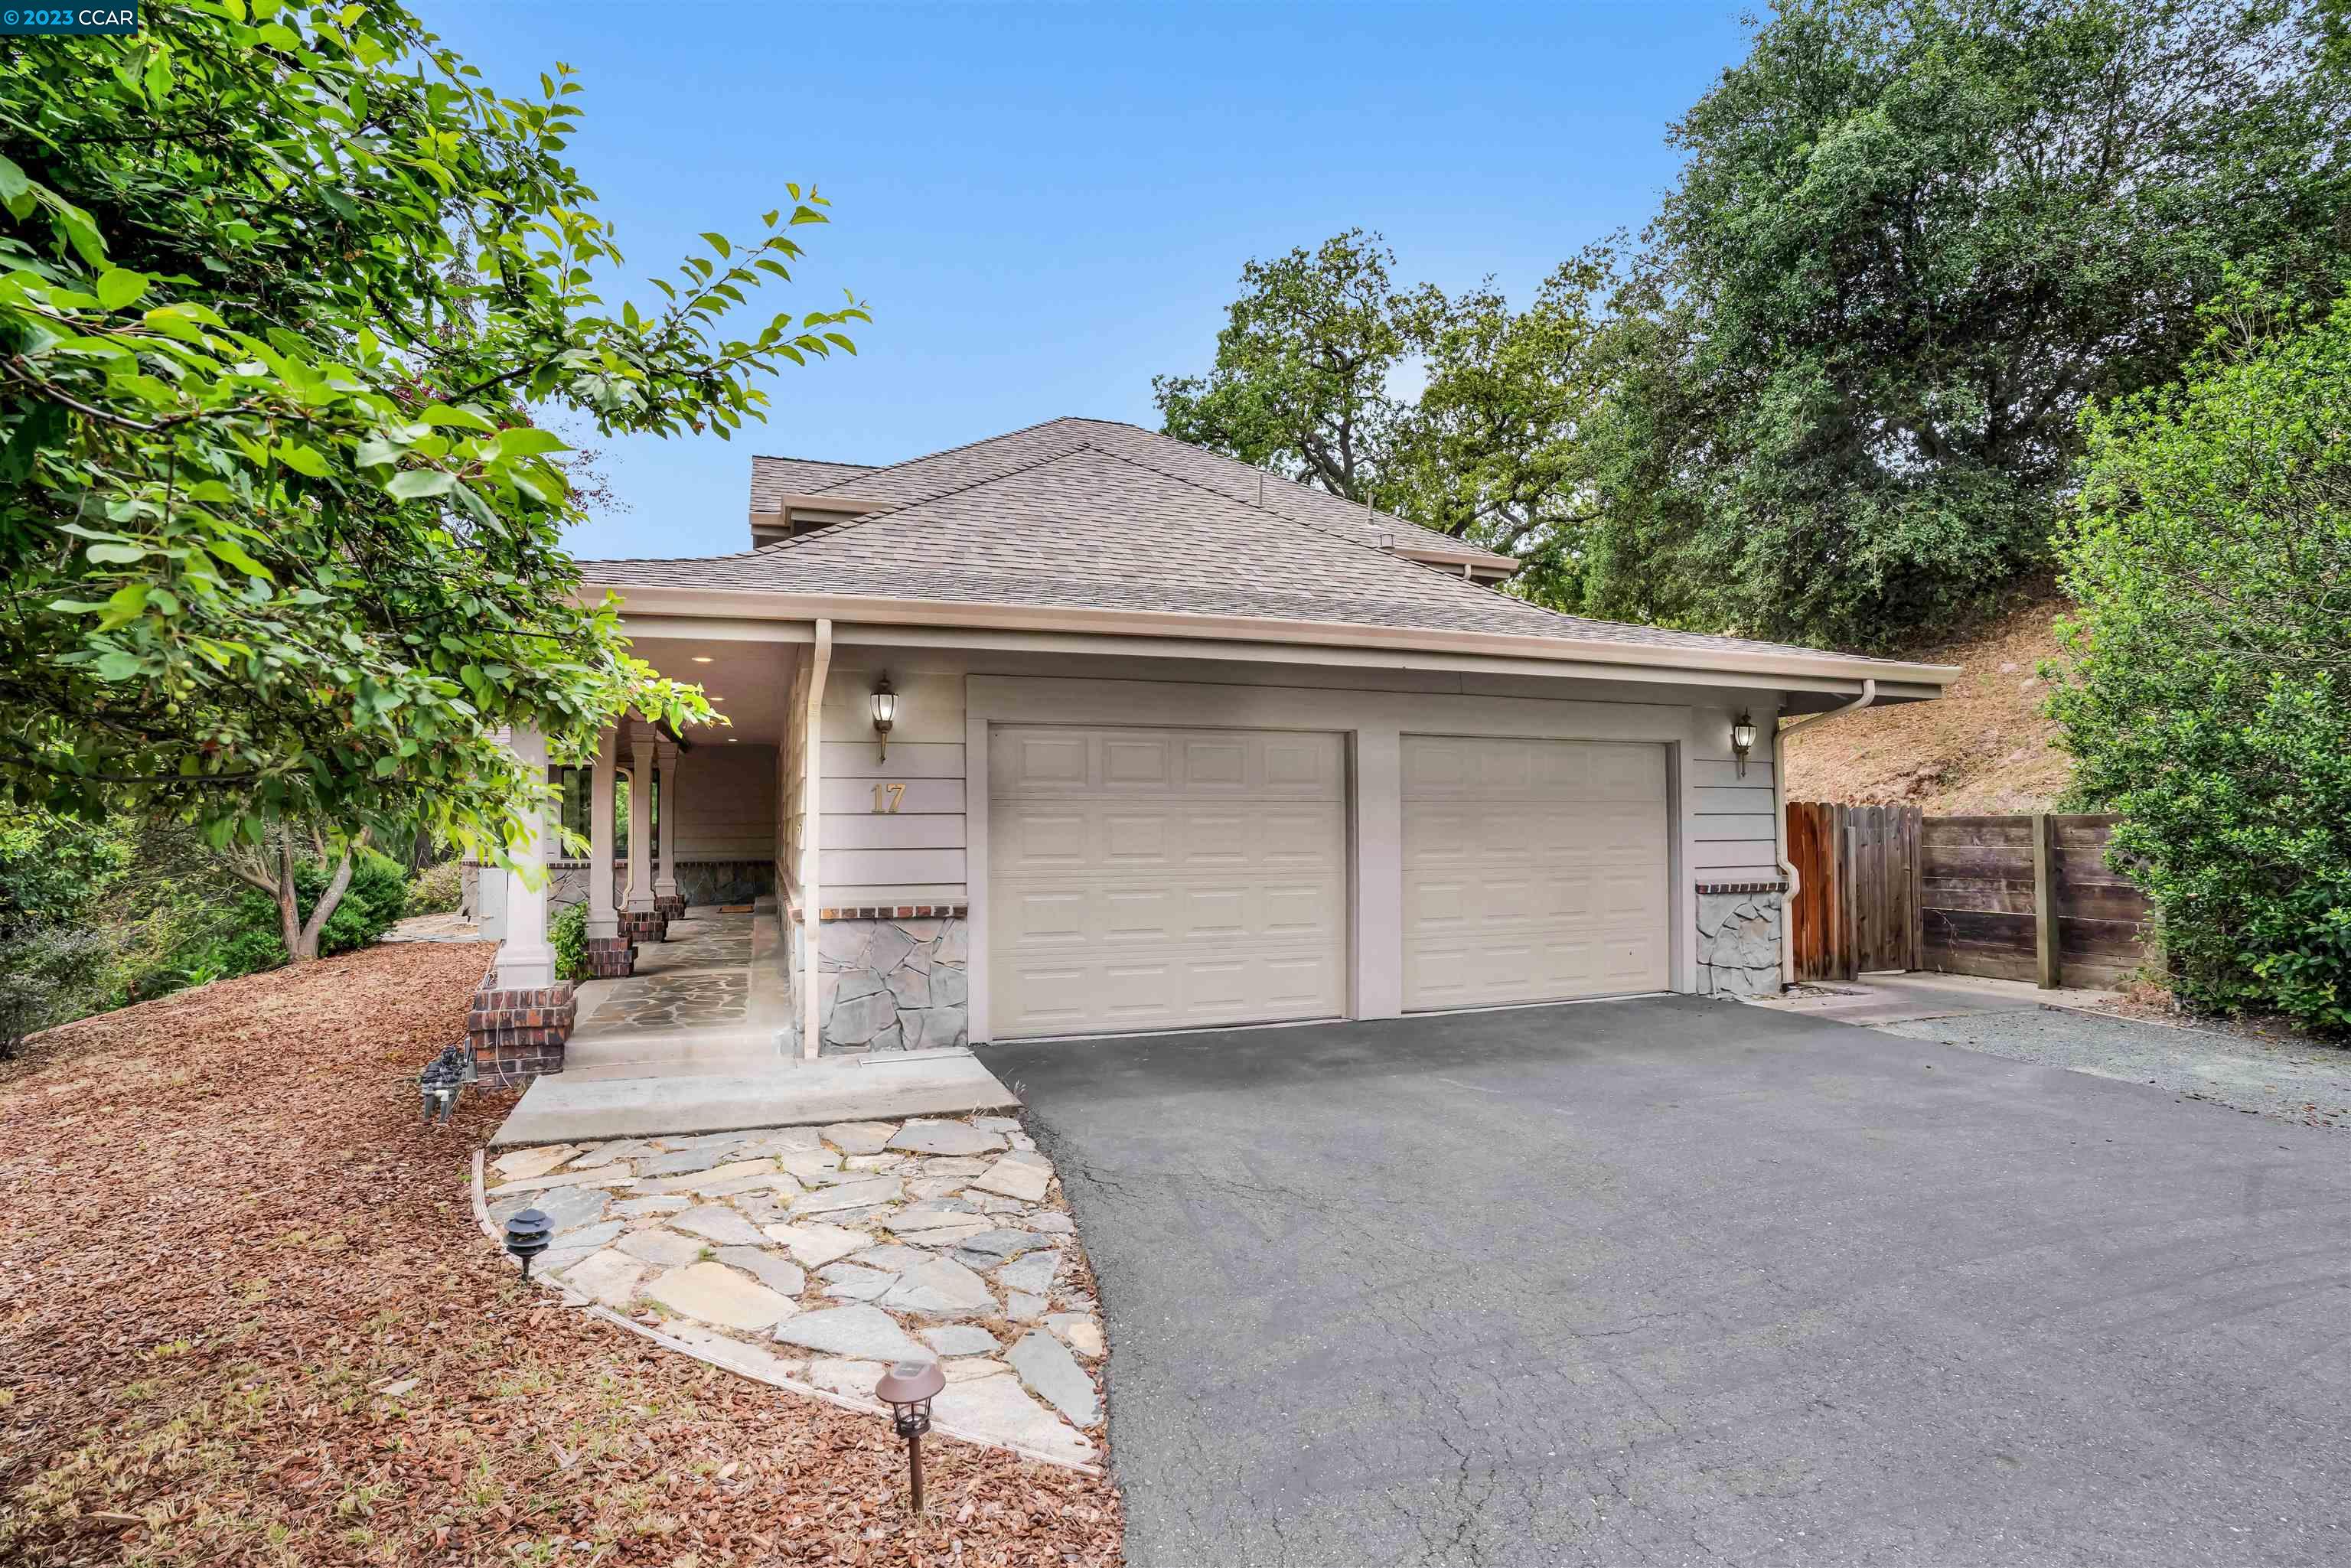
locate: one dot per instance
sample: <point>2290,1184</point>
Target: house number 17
<point>886,796</point>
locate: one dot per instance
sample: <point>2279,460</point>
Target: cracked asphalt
<point>1672,1280</point>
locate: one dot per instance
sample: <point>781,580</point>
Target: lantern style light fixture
<point>526,1236</point>
<point>886,711</point>
<point>908,1389</point>
<point>1742,739</point>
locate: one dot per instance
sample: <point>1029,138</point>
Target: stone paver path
<point>822,1254</point>
<point>670,1001</point>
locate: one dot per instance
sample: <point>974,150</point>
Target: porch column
<point>525,960</point>
<point>667,755</point>
<point>640,823</point>
<point>603,924</point>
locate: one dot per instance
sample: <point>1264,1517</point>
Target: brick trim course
<point>893,912</point>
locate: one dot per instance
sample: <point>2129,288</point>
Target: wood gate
<point>1857,905</point>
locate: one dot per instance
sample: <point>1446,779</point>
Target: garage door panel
<point>1533,869</point>
<point>1036,763</point>
<point>1183,878</point>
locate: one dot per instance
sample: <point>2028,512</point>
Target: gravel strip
<point>2295,1081</point>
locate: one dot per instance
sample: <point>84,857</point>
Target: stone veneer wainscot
<point>892,978</point>
<point>1738,939</point>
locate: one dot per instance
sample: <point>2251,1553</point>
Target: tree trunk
<point>328,902</point>
<point>290,913</point>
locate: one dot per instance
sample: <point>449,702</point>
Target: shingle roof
<point>773,478</point>
<point>930,474</point>
<point>1076,513</point>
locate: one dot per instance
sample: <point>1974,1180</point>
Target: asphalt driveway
<point>1679,1282</point>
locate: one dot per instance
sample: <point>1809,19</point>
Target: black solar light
<point>526,1236</point>
<point>908,1389</point>
<point>443,1078</point>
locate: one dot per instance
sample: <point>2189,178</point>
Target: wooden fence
<point>2015,898</point>
<point>1857,889</point>
<point>2028,898</point>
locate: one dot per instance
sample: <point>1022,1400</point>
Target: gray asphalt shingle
<point>1093,515</point>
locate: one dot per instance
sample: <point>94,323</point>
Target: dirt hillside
<point>1984,748</point>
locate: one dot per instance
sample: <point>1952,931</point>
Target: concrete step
<point>569,1107</point>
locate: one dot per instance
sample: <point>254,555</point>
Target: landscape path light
<point>526,1236</point>
<point>908,1389</point>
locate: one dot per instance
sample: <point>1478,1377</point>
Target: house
<point>1106,733</point>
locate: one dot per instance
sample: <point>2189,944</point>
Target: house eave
<point>740,605</point>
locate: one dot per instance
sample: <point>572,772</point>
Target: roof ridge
<point>1296,483</point>
<point>794,457</point>
<point>1381,550</point>
<point>944,451</point>
<point>834,530</point>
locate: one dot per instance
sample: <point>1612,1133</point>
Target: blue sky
<point>1045,205</point>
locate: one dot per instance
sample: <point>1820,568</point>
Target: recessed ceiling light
<point>714,696</point>
<point>734,740</point>
<point>702,658</point>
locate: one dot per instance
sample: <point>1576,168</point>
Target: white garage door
<point>1142,879</point>
<point>1533,869</point>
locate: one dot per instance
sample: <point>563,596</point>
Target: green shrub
<point>438,889</point>
<point>54,962</point>
<point>376,898</point>
<point>568,934</point>
<point>2211,557</point>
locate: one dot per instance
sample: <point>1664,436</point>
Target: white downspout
<point>811,834</point>
<point>1780,734</point>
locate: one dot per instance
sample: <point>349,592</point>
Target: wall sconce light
<point>886,711</point>
<point>1742,739</point>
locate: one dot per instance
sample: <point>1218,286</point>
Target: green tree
<point>285,295</point>
<point>1300,381</point>
<point>2212,681</point>
<point>1911,241</point>
<point>1496,449</point>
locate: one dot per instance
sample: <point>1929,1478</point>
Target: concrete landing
<point>564,1109</point>
<point>1875,1000</point>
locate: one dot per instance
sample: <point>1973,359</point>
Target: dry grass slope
<point>1984,749</point>
<point>245,1319</point>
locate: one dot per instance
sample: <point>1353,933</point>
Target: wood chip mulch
<point>245,1317</point>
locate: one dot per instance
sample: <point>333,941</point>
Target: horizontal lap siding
<point>1732,831</point>
<point>905,842</point>
<point>726,802</point>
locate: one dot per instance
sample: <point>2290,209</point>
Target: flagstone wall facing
<point>893,980</point>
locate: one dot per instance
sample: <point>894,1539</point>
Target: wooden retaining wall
<point>2027,898</point>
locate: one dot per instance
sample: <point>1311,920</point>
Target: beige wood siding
<point>1533,869</point>
<point>1142,879</point>
<point>727,796</point>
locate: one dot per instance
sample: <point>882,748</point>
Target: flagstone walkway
<point>818,1255</point>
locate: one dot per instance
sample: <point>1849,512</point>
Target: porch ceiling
<point>748,682</point>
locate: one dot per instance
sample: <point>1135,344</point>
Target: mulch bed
<point>245,1317</point>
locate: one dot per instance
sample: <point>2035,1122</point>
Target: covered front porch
<point>691,1016</point>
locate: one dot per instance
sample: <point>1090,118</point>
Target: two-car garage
<point>1143,878</point>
